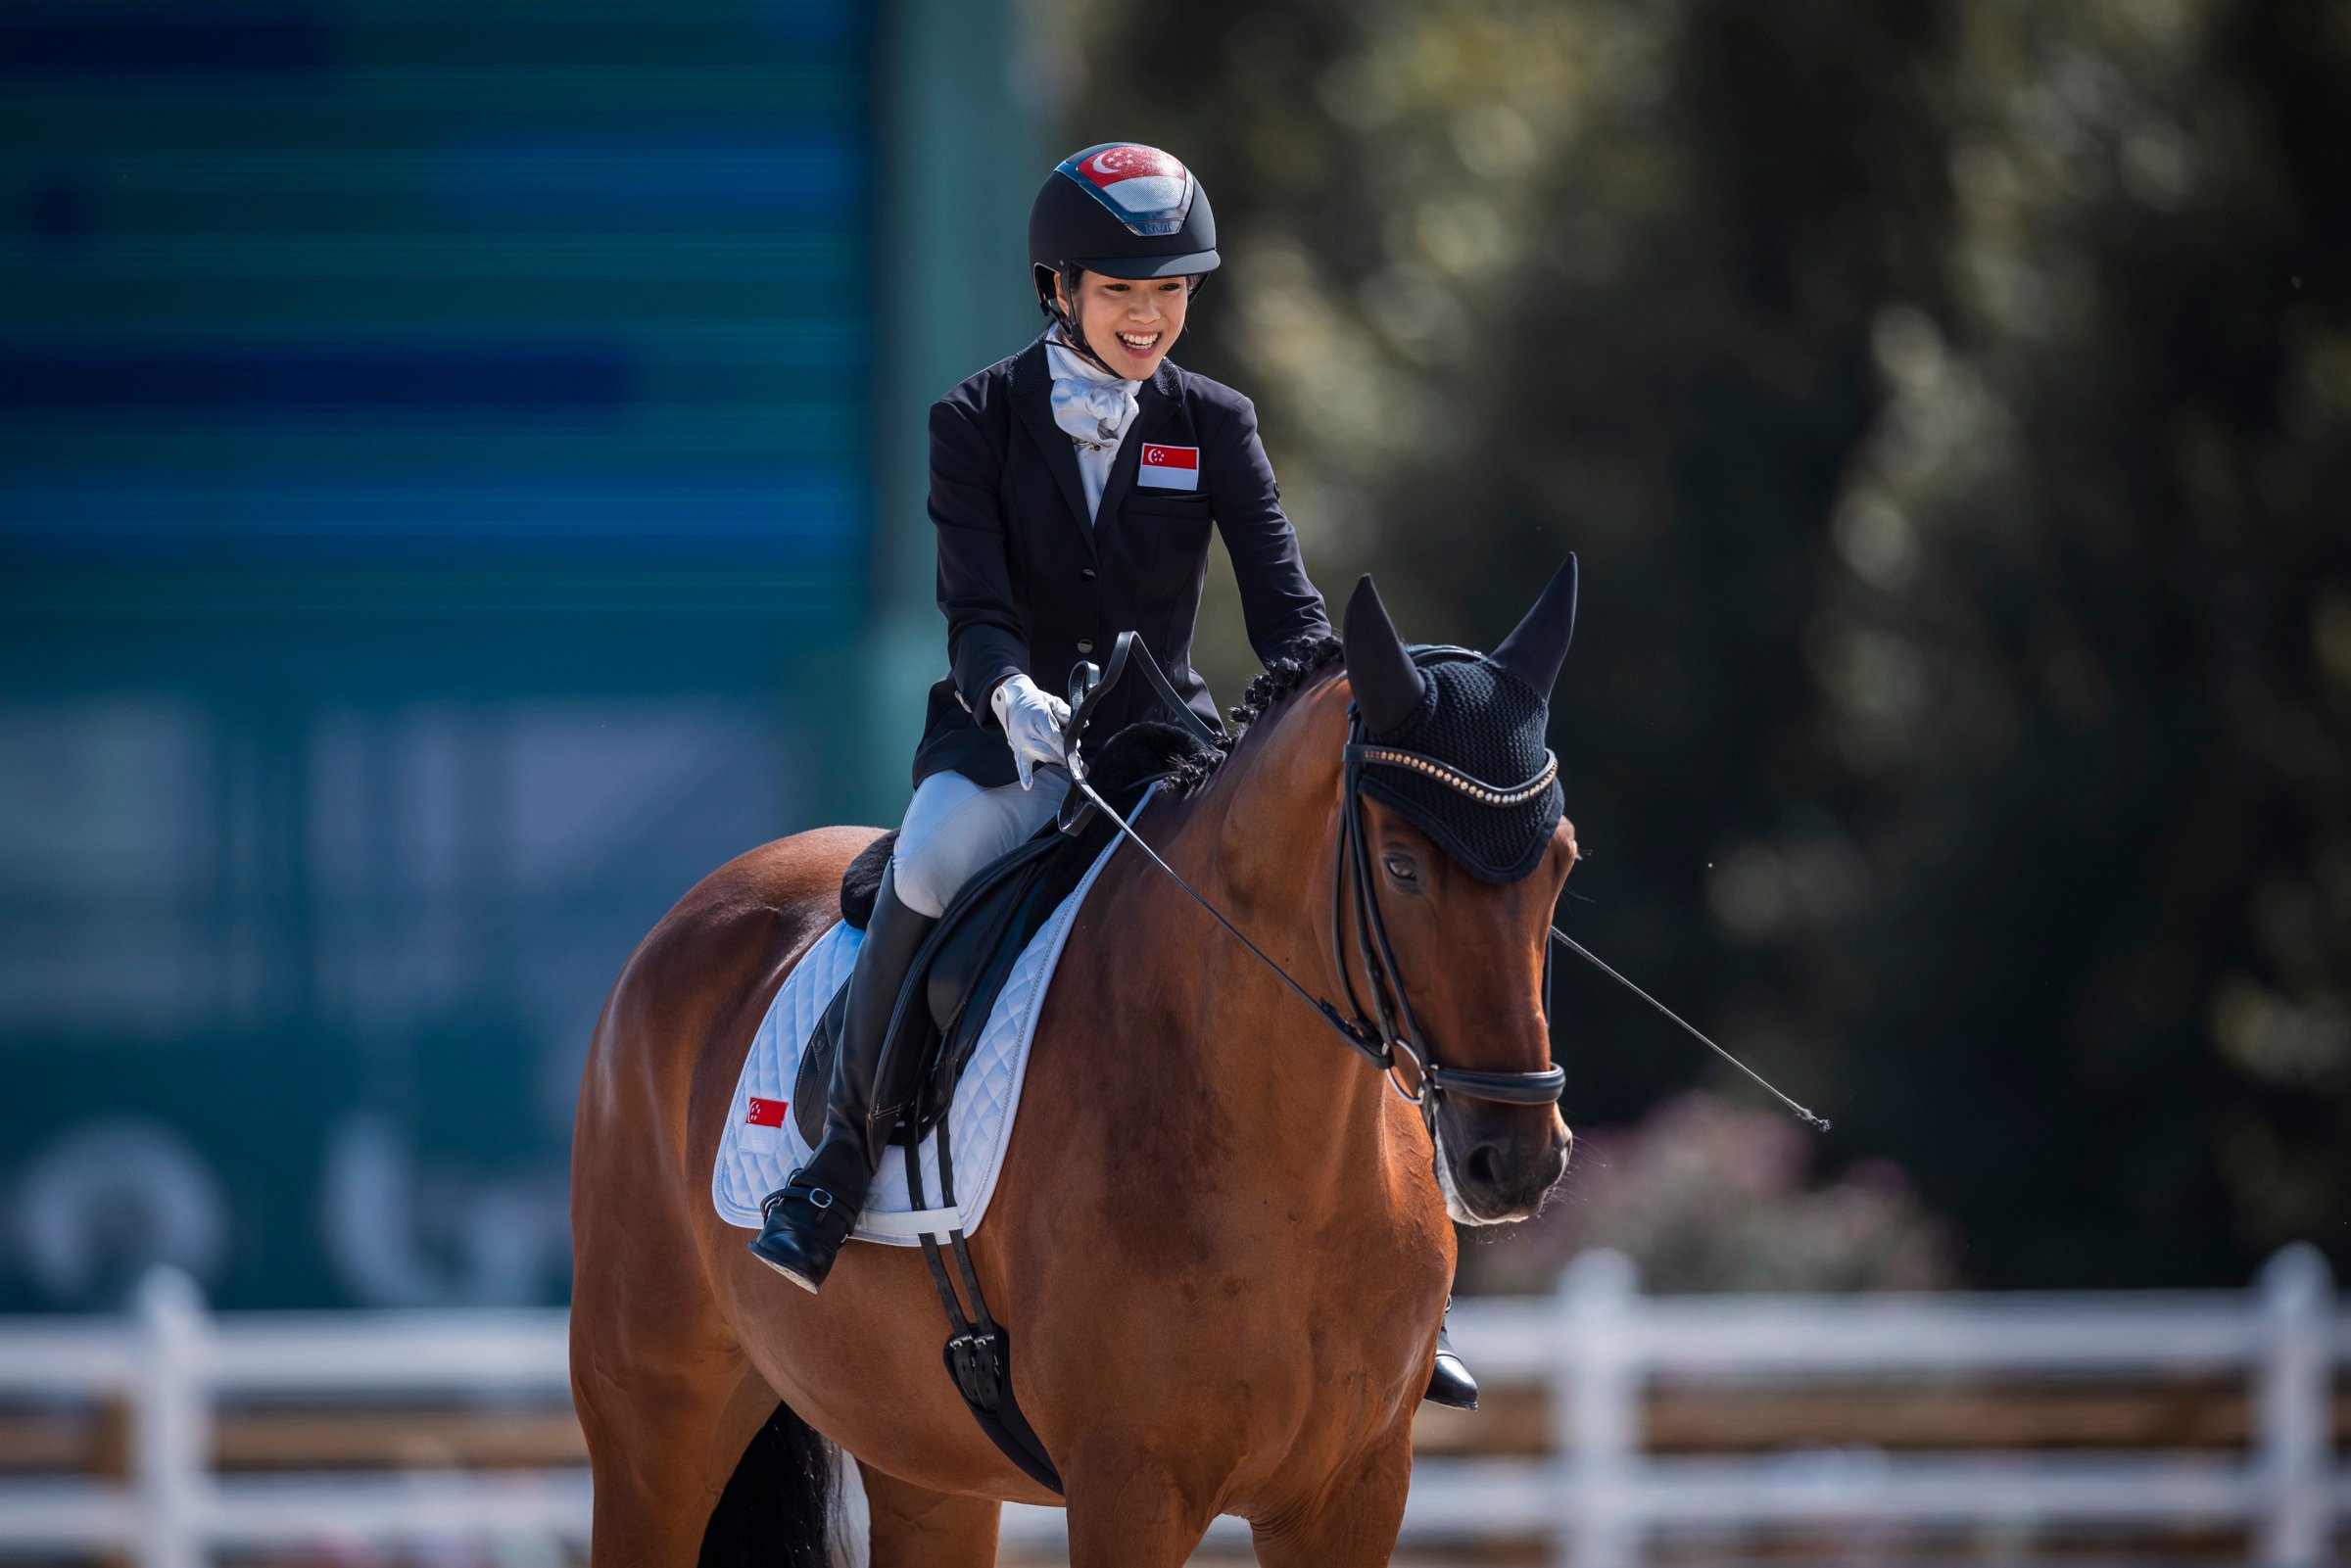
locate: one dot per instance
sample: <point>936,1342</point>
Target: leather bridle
<point>1391,1031</point>
<point>1393,1028</point>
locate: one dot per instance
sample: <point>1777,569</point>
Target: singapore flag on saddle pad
<point>1169,468</point>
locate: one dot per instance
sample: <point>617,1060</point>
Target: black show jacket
<point>1030,588</point>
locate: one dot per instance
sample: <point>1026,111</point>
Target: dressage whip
<point>1329,1015</point>
<point>1322,1010</point>
<point>1597,961</point>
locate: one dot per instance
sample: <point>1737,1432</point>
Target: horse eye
<point>1402,869</point>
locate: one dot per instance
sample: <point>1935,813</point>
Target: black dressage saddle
<point>961,969</point>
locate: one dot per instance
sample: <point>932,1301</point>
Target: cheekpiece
<point>1493,798</point>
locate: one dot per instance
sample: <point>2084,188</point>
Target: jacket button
<point>1085,574</point>
<point>1085,644</point>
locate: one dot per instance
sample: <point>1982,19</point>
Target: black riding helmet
<point>1125,210</point>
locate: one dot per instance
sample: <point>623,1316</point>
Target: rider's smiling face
<point>1131,323</point>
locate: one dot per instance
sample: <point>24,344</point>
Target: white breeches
<point>953,826</point>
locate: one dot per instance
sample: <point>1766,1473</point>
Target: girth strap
<point>979,1350</point>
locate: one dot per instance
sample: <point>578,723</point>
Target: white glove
<point>1033,721</point>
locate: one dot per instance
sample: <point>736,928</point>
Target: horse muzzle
<point>1497,1164</point>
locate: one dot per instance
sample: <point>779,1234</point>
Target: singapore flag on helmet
<point>1148,190</point>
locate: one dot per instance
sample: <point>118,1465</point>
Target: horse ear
<point>1388,685</point>
<point>1535,650</point>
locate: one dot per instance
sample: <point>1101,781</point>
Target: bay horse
<point>1219,1241</point>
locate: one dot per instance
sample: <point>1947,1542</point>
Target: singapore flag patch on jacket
<point>1169,468</point>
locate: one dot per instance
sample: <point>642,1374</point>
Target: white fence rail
<point>1597,1342</point>
<point>173,1364</point>
<point>1594,1344</point>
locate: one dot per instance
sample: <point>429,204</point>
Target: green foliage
<point>1952,404</point>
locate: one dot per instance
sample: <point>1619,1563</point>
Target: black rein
<point>1396,1031</point>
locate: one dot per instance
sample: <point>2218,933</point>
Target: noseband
<point>1391,1031</point>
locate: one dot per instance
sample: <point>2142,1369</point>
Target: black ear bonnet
<point>1453,740</point>
<point>1490,724</point>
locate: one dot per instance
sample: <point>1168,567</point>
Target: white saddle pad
<point>762,1145</point>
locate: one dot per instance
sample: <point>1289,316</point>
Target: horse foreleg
<point>662,1443</point>
<point>1129,1508</point>
<point>1350,1523</point>
<point>915,1527</point>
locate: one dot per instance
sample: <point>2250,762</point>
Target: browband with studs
<point>1477,789</point>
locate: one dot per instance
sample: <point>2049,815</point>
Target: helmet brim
<point>1140,268</point>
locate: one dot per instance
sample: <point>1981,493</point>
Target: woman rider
<point>1055,535</point>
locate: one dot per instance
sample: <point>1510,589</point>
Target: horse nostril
<point>1483,1166</point>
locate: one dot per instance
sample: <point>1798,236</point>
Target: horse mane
<point>1285,672</point>
<point>1148,749</point>
<point>1188,771</point>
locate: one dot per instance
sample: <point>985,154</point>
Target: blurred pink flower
<point>1706,1196</point>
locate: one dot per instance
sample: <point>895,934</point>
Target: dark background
<point>1950,403</point>
<point>460,475</point>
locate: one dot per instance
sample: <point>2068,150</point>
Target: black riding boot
<point>1449,1381</point>
<point>811,1216</point>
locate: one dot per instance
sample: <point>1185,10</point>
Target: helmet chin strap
<point>1048,299</point>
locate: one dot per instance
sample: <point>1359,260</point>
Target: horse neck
<point>1261,844</point>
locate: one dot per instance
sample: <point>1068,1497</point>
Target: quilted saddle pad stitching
<point>753,1162</point>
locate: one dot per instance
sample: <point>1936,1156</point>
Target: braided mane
<point>1155,748</point>
<point>1305,658</point>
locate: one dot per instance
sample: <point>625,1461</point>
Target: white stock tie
<point>1093,407</point>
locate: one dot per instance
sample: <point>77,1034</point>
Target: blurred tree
<point>1952,405</point>
<point>2101,526</point>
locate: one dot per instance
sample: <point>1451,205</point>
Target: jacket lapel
<point>1033,396</point>
<point>1154,405</point>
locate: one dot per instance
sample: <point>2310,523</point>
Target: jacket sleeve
<point>986,639</point>
<point>1277,601</point>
